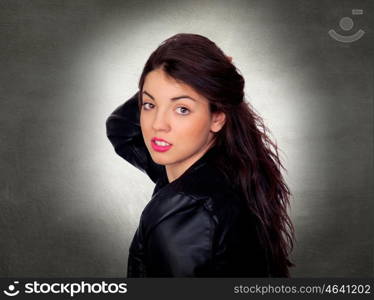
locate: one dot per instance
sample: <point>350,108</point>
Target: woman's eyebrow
<point>173,99</point>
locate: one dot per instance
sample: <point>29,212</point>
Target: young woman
<point>219,207</point>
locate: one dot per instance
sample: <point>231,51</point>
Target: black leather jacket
<point>195,226</point>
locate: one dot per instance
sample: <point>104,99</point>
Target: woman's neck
<point>174,171</point>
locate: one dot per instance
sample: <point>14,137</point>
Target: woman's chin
<point>160,158</point>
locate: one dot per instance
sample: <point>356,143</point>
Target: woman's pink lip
<point>159,148</point>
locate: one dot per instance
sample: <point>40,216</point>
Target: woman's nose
<point>160,122</point>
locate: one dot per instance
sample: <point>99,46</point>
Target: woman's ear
<point>218,120</point>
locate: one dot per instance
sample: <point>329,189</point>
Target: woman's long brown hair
<point>251,158</point>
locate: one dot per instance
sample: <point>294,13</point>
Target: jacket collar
<point>167,200</point>
<point>163,180</point>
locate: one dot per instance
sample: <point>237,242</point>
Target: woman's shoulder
<point>209,182</point>
<point>208,187</point>
<point>204,191</point>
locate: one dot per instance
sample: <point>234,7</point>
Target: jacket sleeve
<point>197,243</point>
<point>237,250</point>
<point>123,131</point>
<point>181,245</point>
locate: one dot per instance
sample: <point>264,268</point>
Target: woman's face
<point>173,112</point>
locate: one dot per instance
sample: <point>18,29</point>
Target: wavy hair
<point>251,158</point>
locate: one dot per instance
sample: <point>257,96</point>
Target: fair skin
<point>186,123</point>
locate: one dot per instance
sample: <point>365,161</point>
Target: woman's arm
<point>181,244</point>
<point>123,131</point>
<point>195,243</point>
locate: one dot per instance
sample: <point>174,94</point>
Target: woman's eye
<point>146,105</point>
<point>183,110</point>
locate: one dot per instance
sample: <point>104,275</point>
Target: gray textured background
<point>69,206</point>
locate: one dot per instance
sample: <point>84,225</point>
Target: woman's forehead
<point>158,84</point>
